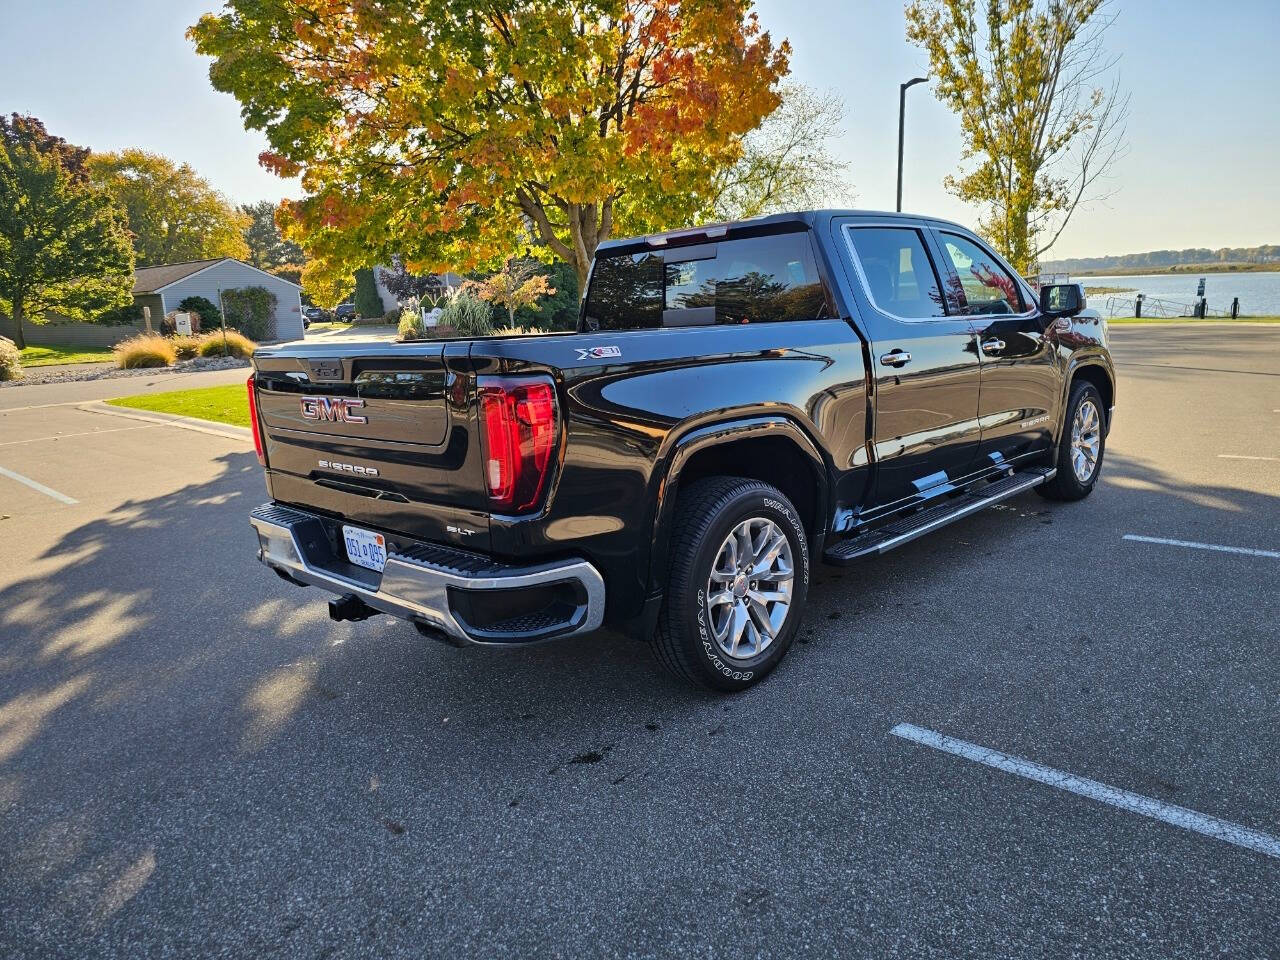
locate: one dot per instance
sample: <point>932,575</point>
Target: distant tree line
<point>1160,259</point>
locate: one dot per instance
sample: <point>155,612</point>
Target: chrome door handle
<point>898,358</point>
<point>991,346</point>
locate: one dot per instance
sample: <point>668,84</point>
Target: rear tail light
<point>518,418</point>
<point>253,422</point>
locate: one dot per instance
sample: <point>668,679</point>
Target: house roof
<point>155,279</point>
<point>151,279</point>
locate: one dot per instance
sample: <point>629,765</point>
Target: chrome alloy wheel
<point>749,590</point>
<point>1086,440</point>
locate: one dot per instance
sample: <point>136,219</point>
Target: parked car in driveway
<point>345,311</point>
<point>738,401</point>
<point>314,314</point>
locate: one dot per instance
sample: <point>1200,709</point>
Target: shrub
<point>392,316</point>
<point>518,332</point>
<point>186,347</point>
<point>145,351</point>
<point>249,310</point>
<point>367,300</point>
<point>468,315</point>
<point>411,326</point>
<point>559,311</point>
<point>10,360</point>
<point>210,316</point>
<point>237,344</point>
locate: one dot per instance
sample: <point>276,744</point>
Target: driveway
<point>194,761</point>
<point>377,331</point>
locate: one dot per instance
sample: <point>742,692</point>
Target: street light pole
<point>902,116</point>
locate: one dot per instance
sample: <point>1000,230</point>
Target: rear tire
<point>738,578</point>
<point>1081,446</point>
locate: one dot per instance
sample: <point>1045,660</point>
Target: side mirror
<point>1062,300</point>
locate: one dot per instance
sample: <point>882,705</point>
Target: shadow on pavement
<point>186,739</point>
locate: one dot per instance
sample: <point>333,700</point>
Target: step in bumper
<point>471,598</point>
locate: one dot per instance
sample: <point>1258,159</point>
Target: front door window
<point>988,288</point>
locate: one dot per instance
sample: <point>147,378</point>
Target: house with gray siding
<point>165,286</point>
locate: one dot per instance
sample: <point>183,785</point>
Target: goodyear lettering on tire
<point>710,651</point>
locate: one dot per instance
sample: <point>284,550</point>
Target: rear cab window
<point>740,280</point>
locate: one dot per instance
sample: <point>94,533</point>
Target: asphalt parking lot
<point>194,761</point>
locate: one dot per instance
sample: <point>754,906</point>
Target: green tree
<point>267,248</point>
<point>173,214</point>
<point>787,162</point>
<point>450,132</point>
<point>63,244</point>
<point>367,300</point>
<point>1022,75</point>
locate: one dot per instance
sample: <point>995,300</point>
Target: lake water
<point>1259,293</point>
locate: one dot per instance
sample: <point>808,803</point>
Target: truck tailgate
<point>382,435</point>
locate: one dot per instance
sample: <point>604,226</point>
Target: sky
<point>1204,130</point>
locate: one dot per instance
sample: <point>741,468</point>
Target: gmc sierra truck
<point>738,402</point>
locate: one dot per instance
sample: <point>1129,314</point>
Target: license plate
<point>365,548</point>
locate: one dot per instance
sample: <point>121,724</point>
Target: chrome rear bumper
<point>433,584</point>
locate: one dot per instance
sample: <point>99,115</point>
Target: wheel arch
<point>772,449</point>
<point>1098,373</point>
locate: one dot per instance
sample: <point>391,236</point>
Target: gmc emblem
<point>333,409</point>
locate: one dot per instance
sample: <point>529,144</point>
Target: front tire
<point>1080,449</point>
<point>738,578</point>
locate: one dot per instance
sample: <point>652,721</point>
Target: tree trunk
<point>581,269</point>
<point>589,226</point>
<point>1022,249</point>
<point>12,327</point>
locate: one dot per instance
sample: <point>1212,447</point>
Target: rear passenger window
<point>899,275</point>
<point>748,280</point>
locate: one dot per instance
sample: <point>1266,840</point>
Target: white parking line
<point>1243,456</point>
<point>1133,802</point>
<point>40,487</point>
<point>1191,544</point>
<point>86,433</point>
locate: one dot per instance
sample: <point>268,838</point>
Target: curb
<point>170,419</point>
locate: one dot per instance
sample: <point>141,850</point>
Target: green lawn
<point>229,404</point>
<point>329,325</point>
<point>1192,320</point>
<point>48,355</point>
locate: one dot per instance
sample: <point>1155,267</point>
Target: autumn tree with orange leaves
<point>453,134</point>
<point>518,284</point>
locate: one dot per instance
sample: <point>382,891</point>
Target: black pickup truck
<point>738,401</point>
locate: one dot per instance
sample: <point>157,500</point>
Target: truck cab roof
<point>771,223</point>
